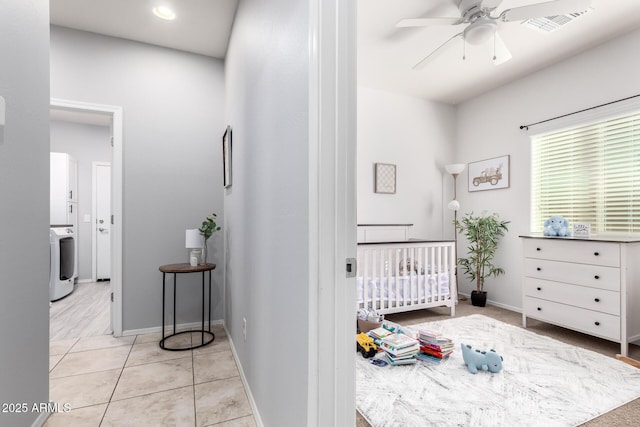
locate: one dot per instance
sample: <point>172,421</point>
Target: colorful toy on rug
<point>557,225</point>
<point>365,345</point>
<point>481,360</point>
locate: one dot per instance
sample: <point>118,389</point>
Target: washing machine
<point>62,271</point>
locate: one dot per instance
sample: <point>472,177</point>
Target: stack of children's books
<point>400,349</point>
<point>434,347</point>
<point>380,333</point>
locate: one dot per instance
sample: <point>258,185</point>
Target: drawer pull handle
<point>539,288</point>
<point>596,277</point>
<point>539,269</point>
<point>539,309</point>
<point>538,249</point>
<point>596,253</point>
<point>597,300</point>
<point>597,323</point>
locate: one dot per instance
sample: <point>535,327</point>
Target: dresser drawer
<point>591,322</point>
<point>584,252</point>
<point>578,296</point>
<point>595,276</point>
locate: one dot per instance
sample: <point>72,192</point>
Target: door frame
<point>332,212</point>
<point>94,215</point>
<point>116,196</point>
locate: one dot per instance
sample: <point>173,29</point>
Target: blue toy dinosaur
<point>484,360</point>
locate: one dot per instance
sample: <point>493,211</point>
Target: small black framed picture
<point>226,157</point>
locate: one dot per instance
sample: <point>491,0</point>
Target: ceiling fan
<point>482,26</point>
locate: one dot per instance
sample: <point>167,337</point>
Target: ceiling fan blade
<point>501,53</point>
<point>491,4</point>
<point>424,61</point>
<point>426,22</point>
<point>539,10</point>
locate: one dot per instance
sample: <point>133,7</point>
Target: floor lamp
<point>454,170</point>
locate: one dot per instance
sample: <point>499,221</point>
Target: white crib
<point>402,276</point>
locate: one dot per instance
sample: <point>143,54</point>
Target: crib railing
<point>403,276</point>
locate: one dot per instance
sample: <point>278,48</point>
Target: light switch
<point>87,218</point>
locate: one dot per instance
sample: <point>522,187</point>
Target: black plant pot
<point>478,299</point>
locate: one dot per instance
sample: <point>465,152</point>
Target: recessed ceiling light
<point>163,12</point>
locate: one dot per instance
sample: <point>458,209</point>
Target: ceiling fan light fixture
<point>164,12</point>
<point>480,31</point>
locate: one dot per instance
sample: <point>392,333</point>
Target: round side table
<point>183,268</point>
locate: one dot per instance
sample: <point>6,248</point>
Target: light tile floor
<point>131,381</point>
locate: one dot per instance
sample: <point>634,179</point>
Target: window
<point>589,173</point>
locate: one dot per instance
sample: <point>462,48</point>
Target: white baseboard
<point>181,326</point>
<point>505,306</point>
<point>252,402</point>
<point>496,304</point>
<point>42,418</point>
<point>635,339</point>
<point>78,281</point>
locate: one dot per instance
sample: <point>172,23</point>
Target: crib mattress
<point>408,288</point>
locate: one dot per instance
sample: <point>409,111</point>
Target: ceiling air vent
<point>550,24</point>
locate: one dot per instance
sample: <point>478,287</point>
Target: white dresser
<point>589,285</point>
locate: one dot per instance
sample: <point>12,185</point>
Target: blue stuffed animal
<point>484,360</point>
<point>557,225</point>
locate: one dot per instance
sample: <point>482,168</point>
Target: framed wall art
<point>226,157</point>
<point>490,174</point>
<point>385,178</point>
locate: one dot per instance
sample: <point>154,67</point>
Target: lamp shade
<point>193,239</point>
<point>455,168</point>
<point>454,205</point>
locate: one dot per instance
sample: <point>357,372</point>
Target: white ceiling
<point>385,53</point>
<point>201,26</point>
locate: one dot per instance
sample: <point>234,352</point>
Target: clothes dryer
<point>62,270</point>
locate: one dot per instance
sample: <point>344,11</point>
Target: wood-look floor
<point>82,313</point>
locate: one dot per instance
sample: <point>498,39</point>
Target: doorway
<point>101,223</point>
<point>113,220</point>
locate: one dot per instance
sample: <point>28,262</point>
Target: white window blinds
<point>590,174</point>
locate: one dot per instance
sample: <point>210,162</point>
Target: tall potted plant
<point>483,233</point>
<point>207,229</point>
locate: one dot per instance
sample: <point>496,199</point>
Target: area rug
<point>544,382</point>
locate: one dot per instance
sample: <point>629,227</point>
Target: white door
<point>102,220</point>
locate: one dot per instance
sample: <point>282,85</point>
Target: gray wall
<point>417,136</point>
<point>24,207</point>
<point>173,114</point>
<point>87,144</point>
<point>489,126</point>
<point>267,268</point>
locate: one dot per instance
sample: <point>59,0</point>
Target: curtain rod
<point>526,127</point>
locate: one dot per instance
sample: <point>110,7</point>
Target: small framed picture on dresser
<point>581,229</point>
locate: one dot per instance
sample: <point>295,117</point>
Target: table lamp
<point>193,241</point>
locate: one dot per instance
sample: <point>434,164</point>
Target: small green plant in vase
<point>207,229</point>
<point>483,233</point>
